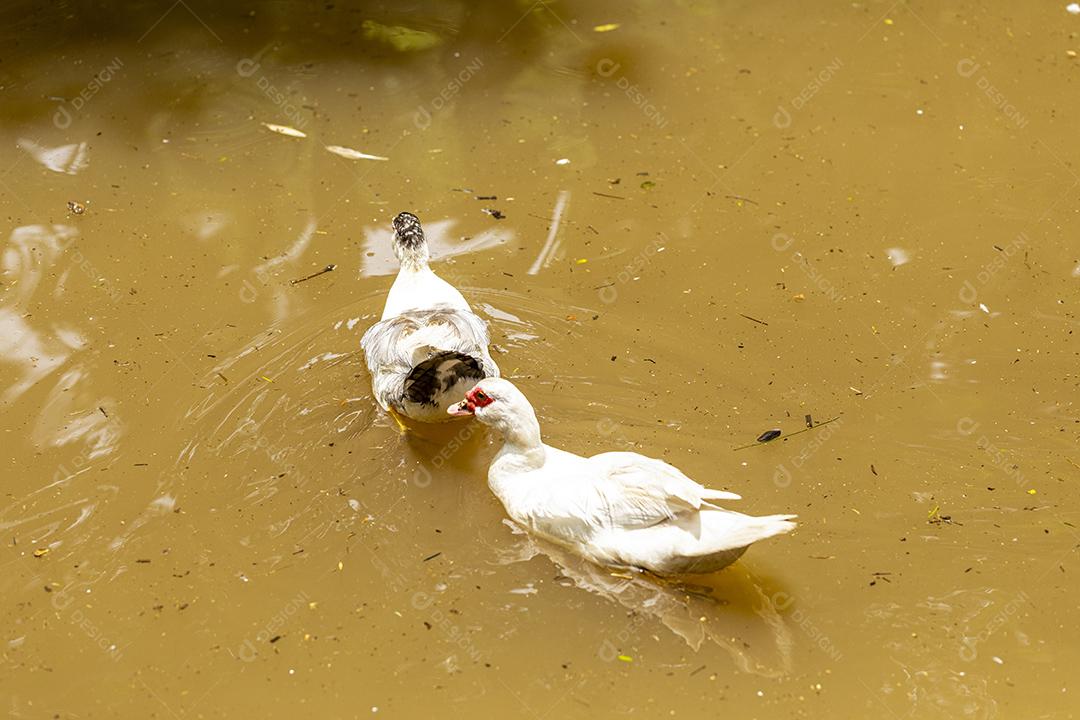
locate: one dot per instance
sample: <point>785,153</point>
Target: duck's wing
<point>395,347</point>
<point>639,491</point>
<point>397,344</point>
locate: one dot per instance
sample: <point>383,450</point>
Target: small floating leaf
<point>769,435</point>
<point>347,152</point>
<point>400,38</point>
<point>284,130</point>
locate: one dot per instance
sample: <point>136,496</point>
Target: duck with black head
<point>429,347</point>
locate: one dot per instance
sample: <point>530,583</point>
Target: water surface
<point>711,220</point>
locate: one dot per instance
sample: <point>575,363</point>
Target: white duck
<point>428,348</point>
<point>616,508</point>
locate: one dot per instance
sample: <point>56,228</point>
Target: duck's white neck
<point>413,259</point>
<point>521,437</point>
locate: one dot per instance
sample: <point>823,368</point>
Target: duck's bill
<point>460,409</point>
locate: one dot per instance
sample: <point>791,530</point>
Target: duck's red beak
<point>462,408</point>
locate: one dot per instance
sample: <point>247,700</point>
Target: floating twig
<point>432,557</point>
<point>328,268</point>
<point>613,197</point>
<point>762,322</point>
<point>790,435</point>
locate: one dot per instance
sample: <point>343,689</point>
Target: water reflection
<point>69,159</point>
<point>730,609</point>
<point>378,257</point>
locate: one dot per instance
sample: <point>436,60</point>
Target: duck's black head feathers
<point>408,233</point>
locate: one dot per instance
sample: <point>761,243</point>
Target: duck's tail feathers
<point>440,374</point>
<point>710,494</point>
<point>746,530</point>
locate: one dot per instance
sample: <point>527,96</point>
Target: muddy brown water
<point>717,219</point>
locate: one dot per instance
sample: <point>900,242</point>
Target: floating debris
<point>607,27</point>
<point>809,421</point>
<point>762,439</point>
<point>76,207</point>
<point>1073,8</point>
<point>497,214</point>
<point>328,268</point>
<point>399,37</point>
<point>562,161</point>
<point>284,130</point>
<point>761,322</point>
<point>934,517</point>
<point>897,256</point>
<point>41,552</point>
<point>347,152</point>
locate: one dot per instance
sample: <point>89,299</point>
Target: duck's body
<point>429,347</point>
<point>616,508</point>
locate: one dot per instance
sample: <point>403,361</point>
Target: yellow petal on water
<point>606,28</point>
<point>340,565</point>
<point>284,130</point>
<point>347,152</point>
<point>626,658</point>
<point>266,378</point>
<point>41,552</point>
<point>582,261</point>
<point>1031,491</point>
